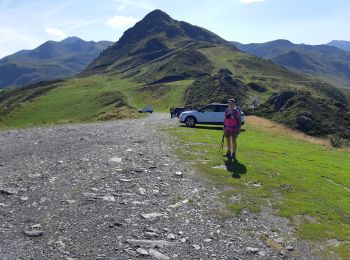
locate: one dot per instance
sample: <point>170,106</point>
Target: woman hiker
<point>232,125</point>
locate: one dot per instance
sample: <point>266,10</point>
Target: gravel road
<point>116,190</point>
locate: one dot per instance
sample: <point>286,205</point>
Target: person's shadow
<point>235,167</point>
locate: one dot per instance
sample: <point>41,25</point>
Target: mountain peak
<point>157,15</point>
<point>154,36</point>
<point>70,40</point>
<point>281,43</point>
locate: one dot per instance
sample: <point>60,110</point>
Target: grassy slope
<point>87,99</point>
<point>301,180</point>
<point>166,96</point>
<point>77,100</point>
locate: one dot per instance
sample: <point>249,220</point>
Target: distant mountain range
<point>329,62</point>
<point>50,60</point>
<point>344,45</point>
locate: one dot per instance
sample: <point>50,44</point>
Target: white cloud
<point>122,22</point>
<point>121,7</point>
<point>75,24</point>
<point>13,40</point>
<point>57,33</point>
<point>138,4</point>
<point>251,1</point>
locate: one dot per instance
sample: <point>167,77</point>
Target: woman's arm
<point>238,117</point>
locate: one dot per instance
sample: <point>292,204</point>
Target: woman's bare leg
<point>234,145</point>
<point>228,141</point>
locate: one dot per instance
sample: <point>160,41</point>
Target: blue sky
<point>27,24</point>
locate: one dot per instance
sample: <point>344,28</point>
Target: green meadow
<point>90,99</point>
<point>307,182</point>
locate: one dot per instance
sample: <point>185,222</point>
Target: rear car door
<point>206,114</point>
<point>219,114</point>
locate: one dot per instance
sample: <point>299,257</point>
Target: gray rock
<point>140,203</point>
<point>197,247</point>
<point>115,160</point>
<point>131,252</point>
<point>34,175</point>
<point>152,215</point>
<point>34,233</point>
<point>24,198</point>
<point>158,255</point>
<point>171,236</point>
<point>333,242</point>
<point>125,180</point>
<point>108,198</point>
<point>150,229</point>
<point>289,248</point>
<point>179,174</point>
<point>252,250</point>
<point>142,191</point>
<point>149,243</point>
<point>9,191</point>
<point>90,194</point>
<point>151,234</point>
<point>36,226</point>
<point>70,201</point>
<point>61,244</point>
<point>142,251</point>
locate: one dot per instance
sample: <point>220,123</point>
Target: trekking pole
<point>222,144</point>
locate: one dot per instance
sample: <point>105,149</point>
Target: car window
<point>210,108</point>
<point>220,108</point>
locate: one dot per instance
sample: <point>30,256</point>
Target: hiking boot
<point>233,156</point>
<point>228,154</point>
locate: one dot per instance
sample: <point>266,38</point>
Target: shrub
<point>338,142</point>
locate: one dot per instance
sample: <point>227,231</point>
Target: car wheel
<point>190,121</point>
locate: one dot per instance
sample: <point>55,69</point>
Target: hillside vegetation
<point>72,101</point>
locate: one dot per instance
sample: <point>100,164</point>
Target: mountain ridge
<point>48,61</point>
<point>326,62</point>
<point>344,45</point>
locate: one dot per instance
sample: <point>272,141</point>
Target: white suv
<point>213,113</point>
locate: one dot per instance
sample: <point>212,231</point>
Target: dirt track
<point>116,190</point>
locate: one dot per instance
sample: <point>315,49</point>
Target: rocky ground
<point>116,190</point>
